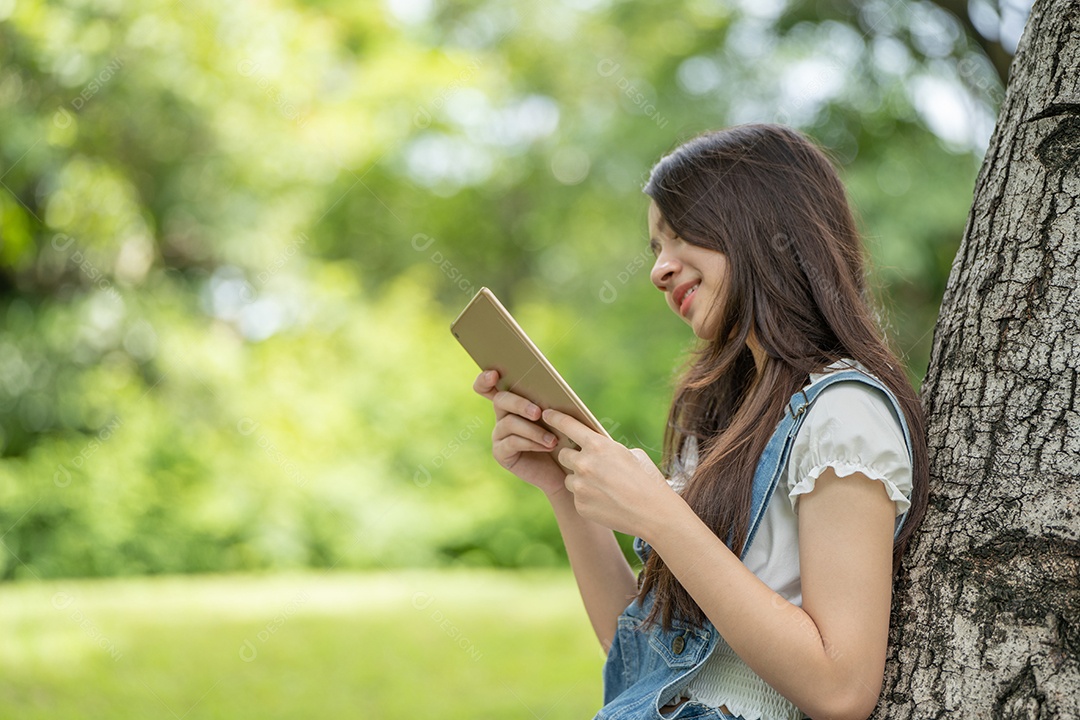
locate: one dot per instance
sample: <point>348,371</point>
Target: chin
<point>704,333</point>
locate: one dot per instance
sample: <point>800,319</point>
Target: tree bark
<point>986,618</point>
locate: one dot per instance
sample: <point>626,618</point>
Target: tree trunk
<point>986,619</point>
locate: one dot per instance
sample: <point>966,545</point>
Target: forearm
<point>778,640</point>
<point>604,577</point>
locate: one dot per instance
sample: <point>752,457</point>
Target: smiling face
<point>692,278</point>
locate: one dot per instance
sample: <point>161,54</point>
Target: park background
<point>242,470</point>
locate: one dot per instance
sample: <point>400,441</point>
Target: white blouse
<point>851,428</point>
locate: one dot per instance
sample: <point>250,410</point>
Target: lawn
<point>445,644</point>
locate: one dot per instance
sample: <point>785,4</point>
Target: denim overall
<point>646,668</point>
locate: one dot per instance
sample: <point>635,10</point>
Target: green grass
<point>410,644</point>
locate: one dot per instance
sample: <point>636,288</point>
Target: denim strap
<point>774,459</point>
<point>778,450</point>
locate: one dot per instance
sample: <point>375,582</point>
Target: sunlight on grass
<point>454,644</point>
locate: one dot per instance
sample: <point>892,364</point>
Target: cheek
<point>721,279</point>
<point>720,292</point>
<point>718,297</point>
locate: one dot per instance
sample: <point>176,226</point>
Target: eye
<point>654,248</point>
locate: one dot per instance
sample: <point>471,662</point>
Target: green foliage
<point>232,237</point>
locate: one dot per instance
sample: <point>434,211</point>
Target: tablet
<point>495,341</point>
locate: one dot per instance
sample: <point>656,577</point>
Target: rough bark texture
<point>986,620</point>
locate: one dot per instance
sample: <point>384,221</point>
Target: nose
<point>664,269</point>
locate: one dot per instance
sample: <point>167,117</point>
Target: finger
<point>568,459</point>
<point>570,481</point>
<point>510,425</point>
<point>570,427</point>
<point>513,403</point>
<point>485,383</point>
<point>515,444</point>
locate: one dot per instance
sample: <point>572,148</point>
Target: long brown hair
<point>771,201</point>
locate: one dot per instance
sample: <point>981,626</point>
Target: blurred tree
<point>993,25</point>
<point>232,236</point>
<point>986,618</point>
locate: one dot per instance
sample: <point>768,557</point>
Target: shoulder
<point>852,427</point>
<point>854,407</point>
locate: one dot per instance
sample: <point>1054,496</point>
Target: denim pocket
<point>682,646</point>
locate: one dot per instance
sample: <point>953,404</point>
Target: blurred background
<point>242,470</point>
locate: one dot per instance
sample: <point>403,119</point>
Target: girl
<point>794,468</point>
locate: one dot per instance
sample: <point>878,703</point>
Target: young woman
<point>794,467</point>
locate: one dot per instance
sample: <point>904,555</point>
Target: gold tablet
<point>495,341</point>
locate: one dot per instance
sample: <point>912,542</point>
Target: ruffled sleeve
<point>684,466</point>
<point>851,428</point>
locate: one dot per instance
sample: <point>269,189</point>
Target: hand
<point>615,486</point>
<point>518,443</point>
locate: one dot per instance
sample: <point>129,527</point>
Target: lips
<point>680,295</point>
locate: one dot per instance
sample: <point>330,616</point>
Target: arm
<point>523,447</point>
<point>604,578</point>
<point>826,657</point>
